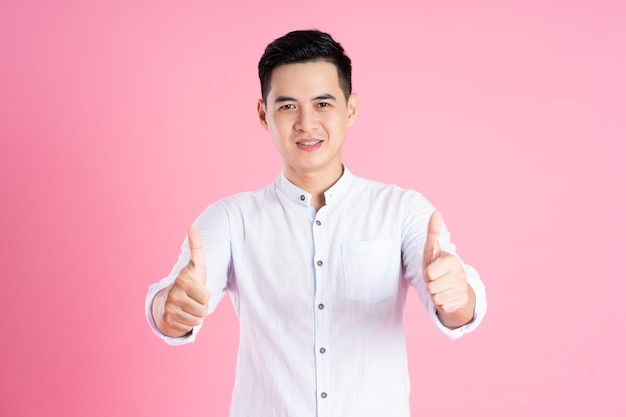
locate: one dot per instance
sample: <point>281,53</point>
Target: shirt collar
<point>301,197</point>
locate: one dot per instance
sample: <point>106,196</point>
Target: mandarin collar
<point>301,197</point>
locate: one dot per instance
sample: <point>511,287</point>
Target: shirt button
<point>321,306</point>
<point>323,395</point>
<point>320,263</point>
<point>322,350</point>
<point>317,222</point>
<point>302,197</point>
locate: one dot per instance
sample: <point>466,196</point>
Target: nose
<point>306,120</point>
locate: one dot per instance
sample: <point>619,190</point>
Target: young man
<point>318,263</point>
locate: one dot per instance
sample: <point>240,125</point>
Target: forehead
<point>304,78</point>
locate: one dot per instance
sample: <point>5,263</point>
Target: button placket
<point>321,309</point>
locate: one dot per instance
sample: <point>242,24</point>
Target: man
<point>318,263</point>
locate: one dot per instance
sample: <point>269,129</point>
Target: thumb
<point>431,247</point>
<point>197,255</point>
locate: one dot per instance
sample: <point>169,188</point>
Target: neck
<point>315,182</point>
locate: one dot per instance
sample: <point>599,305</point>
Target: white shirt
<point>319,295</point>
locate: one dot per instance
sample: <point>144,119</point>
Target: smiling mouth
<point>309,143</point>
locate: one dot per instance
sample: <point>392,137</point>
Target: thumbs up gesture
<point>446,280</point>
<point>181,306</point>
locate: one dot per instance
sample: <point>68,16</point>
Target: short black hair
<point>305,46</point>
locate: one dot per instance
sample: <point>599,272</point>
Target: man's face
<point>307,115</point>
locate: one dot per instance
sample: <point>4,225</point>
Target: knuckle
<point>169,318</point>
<point>204,298</point>
<point>179,283</point>
<point>436,299</point>
<point>173,297</point>
<point>428,274</point>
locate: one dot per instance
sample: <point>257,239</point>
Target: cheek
<point>336,126</point>
<point>280,132</point>
<point>281,124</point>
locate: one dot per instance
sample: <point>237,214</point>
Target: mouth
<point>309,145</point>
<point>308,142</point>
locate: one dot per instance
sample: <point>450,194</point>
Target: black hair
<point>305,46</point>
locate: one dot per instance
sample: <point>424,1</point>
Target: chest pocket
<point>371,270</point>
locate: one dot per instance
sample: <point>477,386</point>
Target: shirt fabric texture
<point>319,295</point>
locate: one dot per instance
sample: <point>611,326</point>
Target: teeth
<point>310,143</point>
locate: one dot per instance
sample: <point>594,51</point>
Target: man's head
<point>305,46</point>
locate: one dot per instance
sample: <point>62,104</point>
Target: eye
<point>287,107</point>
<point>323,104</point>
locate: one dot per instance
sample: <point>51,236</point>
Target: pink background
<point>121,120</point>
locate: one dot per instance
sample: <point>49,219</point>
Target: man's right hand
<point>181,306</point>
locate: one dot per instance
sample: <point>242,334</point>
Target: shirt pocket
<point>371,270</point>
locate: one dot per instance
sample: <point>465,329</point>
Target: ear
<point>260,107</point>
<point>353,108</point>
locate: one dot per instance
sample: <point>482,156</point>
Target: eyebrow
<point>281,99</point>
<point>325,97</point>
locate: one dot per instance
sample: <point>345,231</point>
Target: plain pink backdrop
<point>121,120</point>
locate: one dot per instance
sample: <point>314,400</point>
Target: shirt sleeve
<point>213,227</point>
<point>414,228</point>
